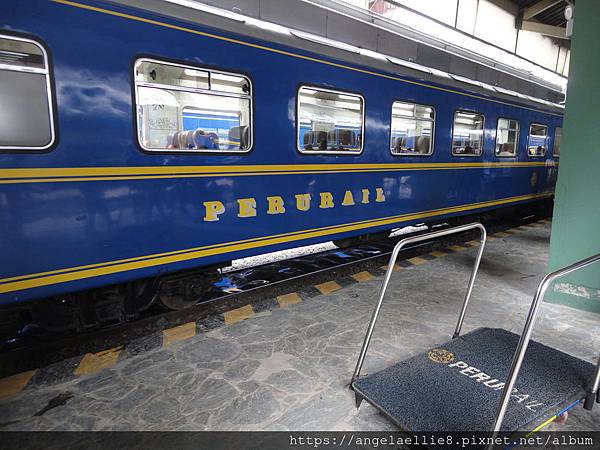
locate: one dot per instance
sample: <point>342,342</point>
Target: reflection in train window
<point>187,109</point>
<point>329,121</point>
<point>412,129</point>
<point>507,137</point>
<point>538,135</point>
<point>557,139</point>
<point>25,109</point>
<point>467,134</point>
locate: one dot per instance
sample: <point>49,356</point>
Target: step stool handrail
<point>526,335</point>
<point>388,274</point>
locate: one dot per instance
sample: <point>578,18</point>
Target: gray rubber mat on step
<point>457,386</point>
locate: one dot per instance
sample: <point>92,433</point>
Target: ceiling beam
<point>538,7</point>
<point>541,28</point>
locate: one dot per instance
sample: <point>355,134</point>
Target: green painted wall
<point>576,221</point>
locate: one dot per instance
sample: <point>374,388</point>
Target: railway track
<point>249,286</point>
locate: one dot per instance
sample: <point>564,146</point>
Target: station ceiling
<point>551,13</point>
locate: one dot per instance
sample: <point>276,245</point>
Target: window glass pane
<point>21,54</point>
<point>171,75</point>
<point>507,136</point>
<point>203,111</point>
<point>557,139</point>
<point>467,134</point>
<point>25,115</point>
<point>412,129</point>
<point>537,139</point>
<point>329,121</point>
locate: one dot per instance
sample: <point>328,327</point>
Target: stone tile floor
<point>289,369</point>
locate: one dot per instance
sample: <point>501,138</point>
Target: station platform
<point>288,366</point>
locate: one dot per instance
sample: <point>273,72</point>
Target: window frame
<point>207,68</point>
<point>47,72</point>
<point>556,155</point>
<point>462,155</point>
<point>546,142</point>
<point>432,145</point>
<point>317,87</point>
<point>516,154</point>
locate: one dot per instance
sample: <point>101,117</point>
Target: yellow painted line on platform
<point>179,333</point>
<point>457,248</point>
<point>95,362</point>
<point>239,314</point>
<point>328,287</point>
<point>416,261</point>
<point>395,269</point>
<point>362,276</point>
<point>501,234</point>
<point>438,254</point>
<point>473,243</point>
<point>15,383</point>
<point>287,300</point>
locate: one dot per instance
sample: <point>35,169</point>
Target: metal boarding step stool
<point>470,383</point>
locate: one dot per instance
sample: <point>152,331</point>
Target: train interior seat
<point>308,140</point>
<point>341,138</point>
<point>321,140</point>
<point>422,144</point>
<point>208,141</point>
<point>238,137</point>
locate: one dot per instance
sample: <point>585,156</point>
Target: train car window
<point>538,136</point>
<point>507,137</point>
<point>329,121</point>
<point>557,139</point>
<point>412,129</point>
<point>26,108</point>
<point>467,134</point>
<point>190,109</point>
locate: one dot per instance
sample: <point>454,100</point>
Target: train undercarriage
<point>111,305</point>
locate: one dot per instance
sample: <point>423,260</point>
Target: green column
<point>576,221</point>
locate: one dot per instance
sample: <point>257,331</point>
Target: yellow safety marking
<point>328,287</point>
<point>362,276</point>
<point>95,362</point>
<point>179,333</point>
<point>457,248</point>
<point>294,55</point>
<point>239,314</point>
<point>438,254</point>
<point>473,243</point>
<point>501,234</point>
<point>109,267</point>
<point>395,269</point>
<point>416,261</point>
<point>287,300</point>
<point>15,383</point>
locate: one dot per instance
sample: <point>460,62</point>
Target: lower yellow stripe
<point>94,270</point>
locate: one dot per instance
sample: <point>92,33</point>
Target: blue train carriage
<point>173,147</point>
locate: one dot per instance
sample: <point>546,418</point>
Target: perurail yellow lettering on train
<point>277,204</point>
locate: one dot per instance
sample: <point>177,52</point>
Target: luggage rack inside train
<point>469,384</point>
